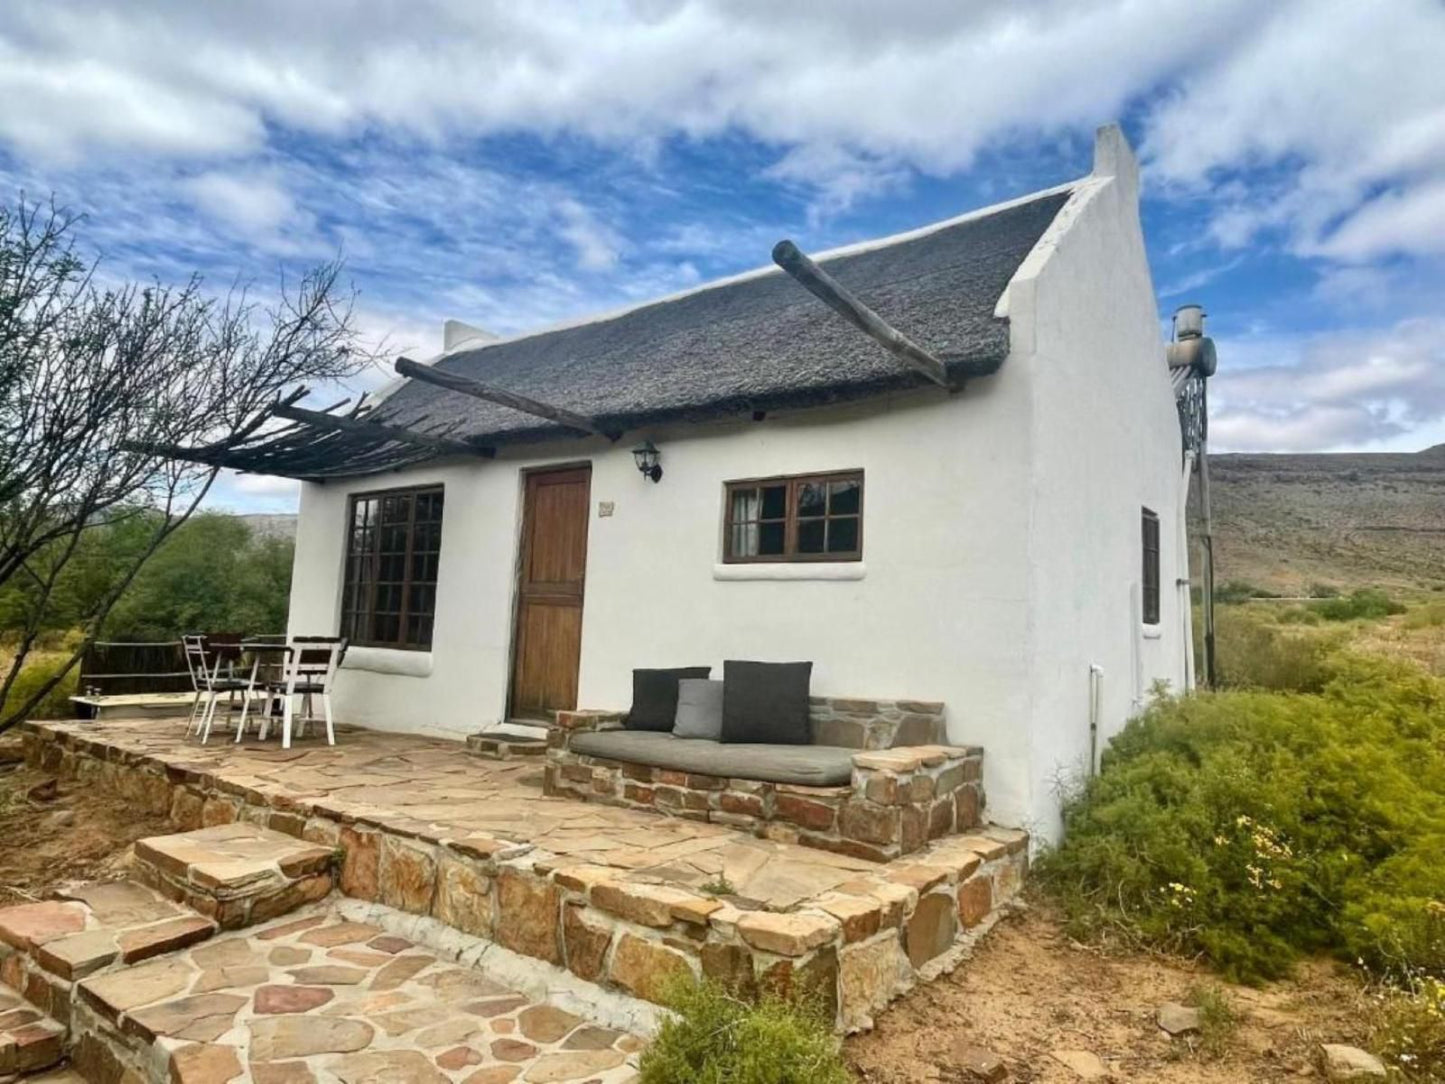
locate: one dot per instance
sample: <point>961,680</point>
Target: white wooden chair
<point>194,647</point>
<point>309,671</point>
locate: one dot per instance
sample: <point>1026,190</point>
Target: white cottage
<point>1011,544</point>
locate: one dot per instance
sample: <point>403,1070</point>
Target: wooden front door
<point>548,643</point>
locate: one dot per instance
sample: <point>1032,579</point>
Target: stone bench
<point>896,798</point>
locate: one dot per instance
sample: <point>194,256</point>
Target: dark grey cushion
<point>766,702</point>
<point>800,765</point>
<point>699,709</point>
<point>654,696</point>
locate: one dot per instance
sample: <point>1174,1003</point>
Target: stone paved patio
<point>321,998</point>
<point>418,785</point>
<point>622,898</point>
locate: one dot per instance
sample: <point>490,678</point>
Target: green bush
<point>1408,1030</point>
<point>36,671</point>
<point>1367,602</point>
<point>1238,590</point>
<point>1251,653</point>
<point>1252,827</point>
<point>1217,1019</point>
<point>716,1038</point>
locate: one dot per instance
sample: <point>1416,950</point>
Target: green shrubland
<point>715,1037</point>
<point>1251,826</point>
<point>1368,603</point>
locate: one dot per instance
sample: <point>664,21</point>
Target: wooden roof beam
<point>380,431</point>
<point>477,390</point>
<point>842,301</point>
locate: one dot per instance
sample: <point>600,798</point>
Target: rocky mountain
<point>1284,522</point>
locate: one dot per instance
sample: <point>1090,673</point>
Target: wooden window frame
<point>373,563</point>
<point>793,482</point>
<point>1150,574</point>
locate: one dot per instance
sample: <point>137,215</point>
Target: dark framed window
<point>1151,567</point>
<point>805,517</point>
<point>393,543</point>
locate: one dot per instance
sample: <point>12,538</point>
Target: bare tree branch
<point>90,377</point>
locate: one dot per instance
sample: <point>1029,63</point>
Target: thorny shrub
<point>1251,827</point>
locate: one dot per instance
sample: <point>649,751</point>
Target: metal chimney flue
<point>1191,348</point>
<point>1188,322</point>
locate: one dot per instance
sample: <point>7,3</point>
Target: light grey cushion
<point>801,765</point>
<point>699,709</point>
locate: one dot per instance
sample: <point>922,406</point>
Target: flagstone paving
<point>430,787</point>
<point>320,998</point>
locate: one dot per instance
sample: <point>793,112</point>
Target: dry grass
<point>1415,635</point>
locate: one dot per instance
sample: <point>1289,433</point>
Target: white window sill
<point>384,660</point>
<point>1152,632</point>
<point>792,570</point>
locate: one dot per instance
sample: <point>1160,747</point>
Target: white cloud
<point>1336,390</point>
<point>919,82</point>
<point>246,202</point>
<point>596,245</point>
<point>1341,98</point>
<point>1333,100</point>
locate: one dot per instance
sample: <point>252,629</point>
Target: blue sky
<point>513,165</point>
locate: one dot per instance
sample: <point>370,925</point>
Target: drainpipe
<point>1186,602</point>
<point>1096,695</point>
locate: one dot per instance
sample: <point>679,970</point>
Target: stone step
<point>30,1041</point>
<point>237,874</point>
<point>506,746</point>
<point>46,946</point>
<point>324,997</point>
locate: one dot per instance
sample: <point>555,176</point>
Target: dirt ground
<point>62,833</point>
<point>1030,990</point>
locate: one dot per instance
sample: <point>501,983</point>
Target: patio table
<point>259,651</point>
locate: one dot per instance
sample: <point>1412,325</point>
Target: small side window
<point>1151,567</point>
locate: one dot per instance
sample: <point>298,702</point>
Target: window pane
<point>744,541</point>
<point>395,509</point>
<point>775,502</point>
<point>842,535</point>
<point>745,505</point>
<point>810,535</point>
<point>843,498</point>
<point>770,538</point>
<point>812,499</point>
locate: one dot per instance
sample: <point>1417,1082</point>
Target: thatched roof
<point>755,342</point>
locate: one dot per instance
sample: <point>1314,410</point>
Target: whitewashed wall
<point>1106,444</point>
<point>939,613</point>
<point>1001,539</point>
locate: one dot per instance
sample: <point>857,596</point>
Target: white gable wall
<point>1106,444</point>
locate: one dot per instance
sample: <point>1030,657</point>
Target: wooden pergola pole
<point>477,390</point>
<point>842,301</point>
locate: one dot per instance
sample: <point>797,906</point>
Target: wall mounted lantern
<point>647,457</point>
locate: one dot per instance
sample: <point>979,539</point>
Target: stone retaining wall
<point>898,801</point>
<point>857,945</point>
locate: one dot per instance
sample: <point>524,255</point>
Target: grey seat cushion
<point>801,765</point>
